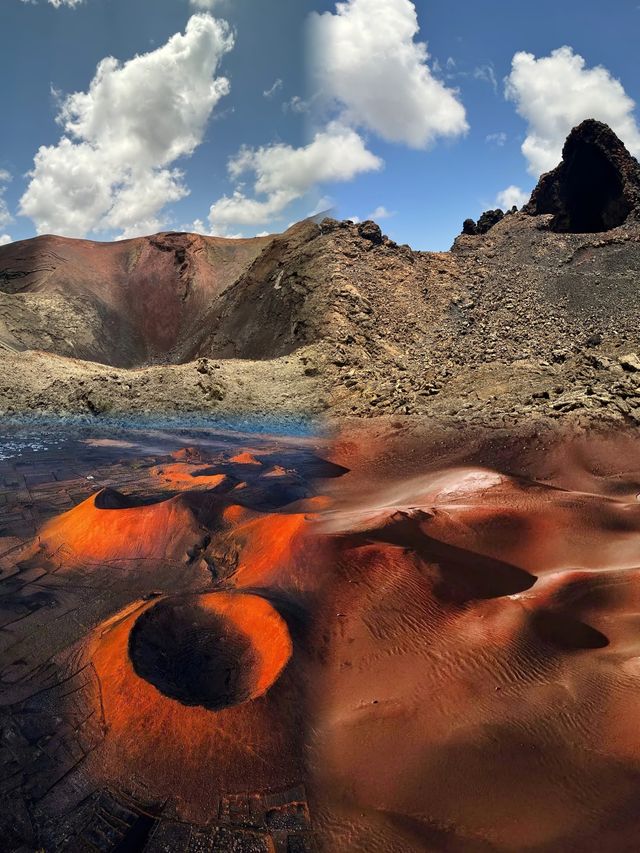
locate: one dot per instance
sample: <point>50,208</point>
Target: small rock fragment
<point>630,362</point>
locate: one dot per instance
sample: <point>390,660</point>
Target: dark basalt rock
<point>369,230</point>
<point>486,222</point>
<point>488,219</point>
<point>595,188</point>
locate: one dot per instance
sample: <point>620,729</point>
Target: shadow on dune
<point>431,837</point>
<point>459,575</point>
<point>566,633</point>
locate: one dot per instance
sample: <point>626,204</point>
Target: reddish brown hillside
<point>127,303</point>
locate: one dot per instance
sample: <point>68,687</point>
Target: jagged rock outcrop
<point>272,309</point>
<point>370,231</point>
<point>595,188</point>
<point>519,322</point>
<point>486,222</point>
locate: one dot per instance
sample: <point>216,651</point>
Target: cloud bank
<point>113,166</point>
<point>283,174</point>
<point>555,93</point>
<point>369,75</point>
<point>366,58</point>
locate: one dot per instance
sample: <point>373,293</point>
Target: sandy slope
<point>478,674</point>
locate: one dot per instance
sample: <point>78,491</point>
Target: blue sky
<point>360,119</point>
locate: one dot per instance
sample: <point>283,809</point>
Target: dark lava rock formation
<point>486,222</point>
<point>595,188</point>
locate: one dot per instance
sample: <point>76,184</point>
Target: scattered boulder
<point>595,188</point>
<point>369,230</point>
<point>630,362</point>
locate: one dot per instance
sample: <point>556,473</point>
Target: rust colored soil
<point>431,643</point>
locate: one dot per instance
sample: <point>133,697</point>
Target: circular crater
<point>213,651</point>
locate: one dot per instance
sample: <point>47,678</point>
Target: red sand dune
<point>454,711</point>
<point>520,521</point>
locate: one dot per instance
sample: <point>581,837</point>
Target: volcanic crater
<point>215,651</point>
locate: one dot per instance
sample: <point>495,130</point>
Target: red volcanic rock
<point>126,303</point>
<point>185,477</point>
<point>245,458</point>
<point>187,454</point>
<point>110,527</point>
<point>214,651</point>
<point>276,306</point>
<point>189,735</point>
<point>369,230</point>
<point>596,187</point>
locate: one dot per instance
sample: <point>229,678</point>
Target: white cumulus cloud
<point>113,166</point>
<point>5,239</point>
<point>57,4</point>
<point>370,74</point>
<point>282,174</point>
<point>366,58</point>
<point>555,93</point>
<point>511,196</point>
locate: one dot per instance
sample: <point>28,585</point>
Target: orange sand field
<point>442,647</point>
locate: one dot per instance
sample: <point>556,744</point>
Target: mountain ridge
<point>526,318</point>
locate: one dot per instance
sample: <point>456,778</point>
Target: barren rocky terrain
<point>414,630</point>
<point>528,316</point>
